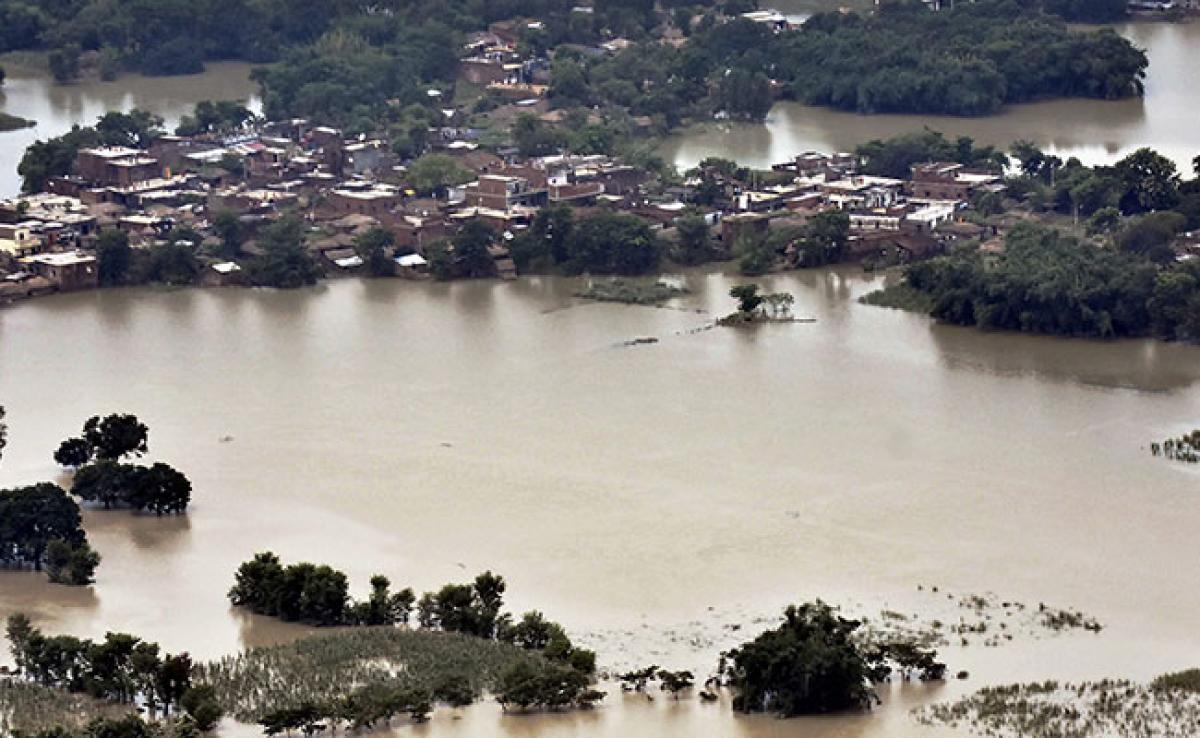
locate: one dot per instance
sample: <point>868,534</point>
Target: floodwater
<point>1096,131</point>
<point>33,95</point>
<point>647,496</point>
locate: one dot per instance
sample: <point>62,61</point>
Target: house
<point>950,181</point>
<point>116,166</point>
<point>66,271</point>
<point>503,192</point>
<point>20,239</point>
<point>376,200</point>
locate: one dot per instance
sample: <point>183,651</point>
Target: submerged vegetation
<point>1168,708</point>
<point>1185,448</point>
<point>631,293</point>
<point>327,670</point>
<point>122,670</point>
<point>813,664</point>
<point>1045,282</point>
<point>101,477</point>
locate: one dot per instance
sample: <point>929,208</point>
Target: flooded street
<point>430,431</point>
<point>1096,131</point>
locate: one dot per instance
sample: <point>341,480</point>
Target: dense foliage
<point>970,60</point>
<point>809,664</point>
<point>1045,282</point>
<point>40,527</point>
<point>122,669</point>
<point>603,243</point>
<point>361,676</point>
<point>96,454</point>
<point>894,157</point>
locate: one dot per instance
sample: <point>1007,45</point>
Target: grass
<point>1182,681</point>
<point>14,123</point>
<point>331,665</point>
<point>899,297</point>
<point>1168,708</point>
<point>631,293</point>
<point>30,708</point>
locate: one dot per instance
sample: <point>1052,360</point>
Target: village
<point>345,186</point>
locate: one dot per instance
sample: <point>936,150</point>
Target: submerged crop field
<point>330,666</point>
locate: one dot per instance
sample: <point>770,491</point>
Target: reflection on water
<point>31,94</point>
<point>429,431</point>
<point>1096,131</point>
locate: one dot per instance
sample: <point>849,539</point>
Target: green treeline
<point>40,527</point>
<point>367,65</point>
<point>122,669</point>
<point>1047,282</point>
<point>971,60</point>
<point>967,61</point>
<point>319,595</point>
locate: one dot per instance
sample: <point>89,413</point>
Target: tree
<point>108,482</point>
<point>373,247</point>
<point>471,256</point>
<point>1150,236</point>
<point>534,137</point>
<point>160,489</point>
<point>135,129</point>
<point>31,517</point>
<point>613,243</point>
<point>825,237</point>
<point>114,256</point>
<point>1150,179</point>
<point>286,263</point>
<point>71,564</point>
<point>694,240</point>
<point>434,172</point>
<point>64,63</point>
<point>201,705</point>
<point>74,452</point>
<point>228,228</point>
<point>675,681</point>
<point>115,436</point>
<point>748,298</point>
<point>808,665</point>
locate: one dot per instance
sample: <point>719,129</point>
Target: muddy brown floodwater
<point>31,94</point>
<point>430,431</point>
<point>1096,131</point>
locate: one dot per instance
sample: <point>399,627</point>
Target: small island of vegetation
<point>1185,448</point>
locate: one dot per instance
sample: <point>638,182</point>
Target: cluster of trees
<point>101,477</point>
<point>814,663</point>
<point>40,528</point>
<point>820,241</point>
<point>604,243</point>
<point>1046,282</point>
<point>894,157</point>
<point>128,726</point>
<point>1143,182</point>
<point>1185,448</point>
<point>122,668</point>
<point>968,60</point>
<point>319,595</point>
<point>673,682</point>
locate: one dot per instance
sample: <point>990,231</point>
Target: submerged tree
<point>808,665</point>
